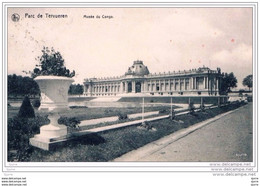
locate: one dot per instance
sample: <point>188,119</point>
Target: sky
<point>165,39</point>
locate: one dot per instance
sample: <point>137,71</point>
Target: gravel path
<point>229,139</point>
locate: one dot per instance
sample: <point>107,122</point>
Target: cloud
<point>237,60</point>
<point>164,38</point>
<point>239,56</point>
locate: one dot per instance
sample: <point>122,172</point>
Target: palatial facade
<point>201,81</point>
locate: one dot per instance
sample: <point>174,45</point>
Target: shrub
<point>36,103</point>
<point>26,109</point>
<point>108,111</point>
<point>19,131</point>
<point>122,116</point>
<point>219,103</point>
<point>202,107</point>
<point>164,111</point>
<point>51,63</point>
<point>147,126</point>
<point>78,107</point>
<point>69,122</point>
<point>249,98</point>
<point>172,114</point>
<point>191,108</point>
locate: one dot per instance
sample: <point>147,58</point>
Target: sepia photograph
<point>163,85</point>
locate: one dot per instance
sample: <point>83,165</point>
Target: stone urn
<point>54,100</point>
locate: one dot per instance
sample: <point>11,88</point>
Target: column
<point>210,86</point>
<point>126,87</point>
<point>90,89</point>
<point>213,83</point>
<point>191,83</point>
<point>219,83</point>
<point>145,86</point>
<point>204,82</point>
<point>121,87</point>
<point>180,84</point>
<point>195,82</point>
<point>85,89</point>
<point>165,86</point>
<point>133,86</point>
<point>208,80</point>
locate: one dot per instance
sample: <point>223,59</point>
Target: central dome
<point>137,69</point>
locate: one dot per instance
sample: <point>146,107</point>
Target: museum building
<point>138,79</point>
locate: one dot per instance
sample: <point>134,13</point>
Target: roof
<point>137,69</point>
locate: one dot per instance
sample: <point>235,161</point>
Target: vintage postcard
<point>130,87</point>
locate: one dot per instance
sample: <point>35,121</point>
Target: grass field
<point>109,145</point>
<point>176,99</point>
<point>93,113</point>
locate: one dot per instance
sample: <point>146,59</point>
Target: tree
<point>248,81</point>
<point>76,89</point>
<point>26,109</point>
<point>229,81</point>
<point>18,85</point>
<point>51,63</point>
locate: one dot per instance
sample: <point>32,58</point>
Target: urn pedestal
<point>54,100</point>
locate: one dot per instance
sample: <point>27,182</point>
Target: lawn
<point>93,113</point>
<point>175,99</point>
<point>106,146</point>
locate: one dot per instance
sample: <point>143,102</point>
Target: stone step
<point>105,99</point>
